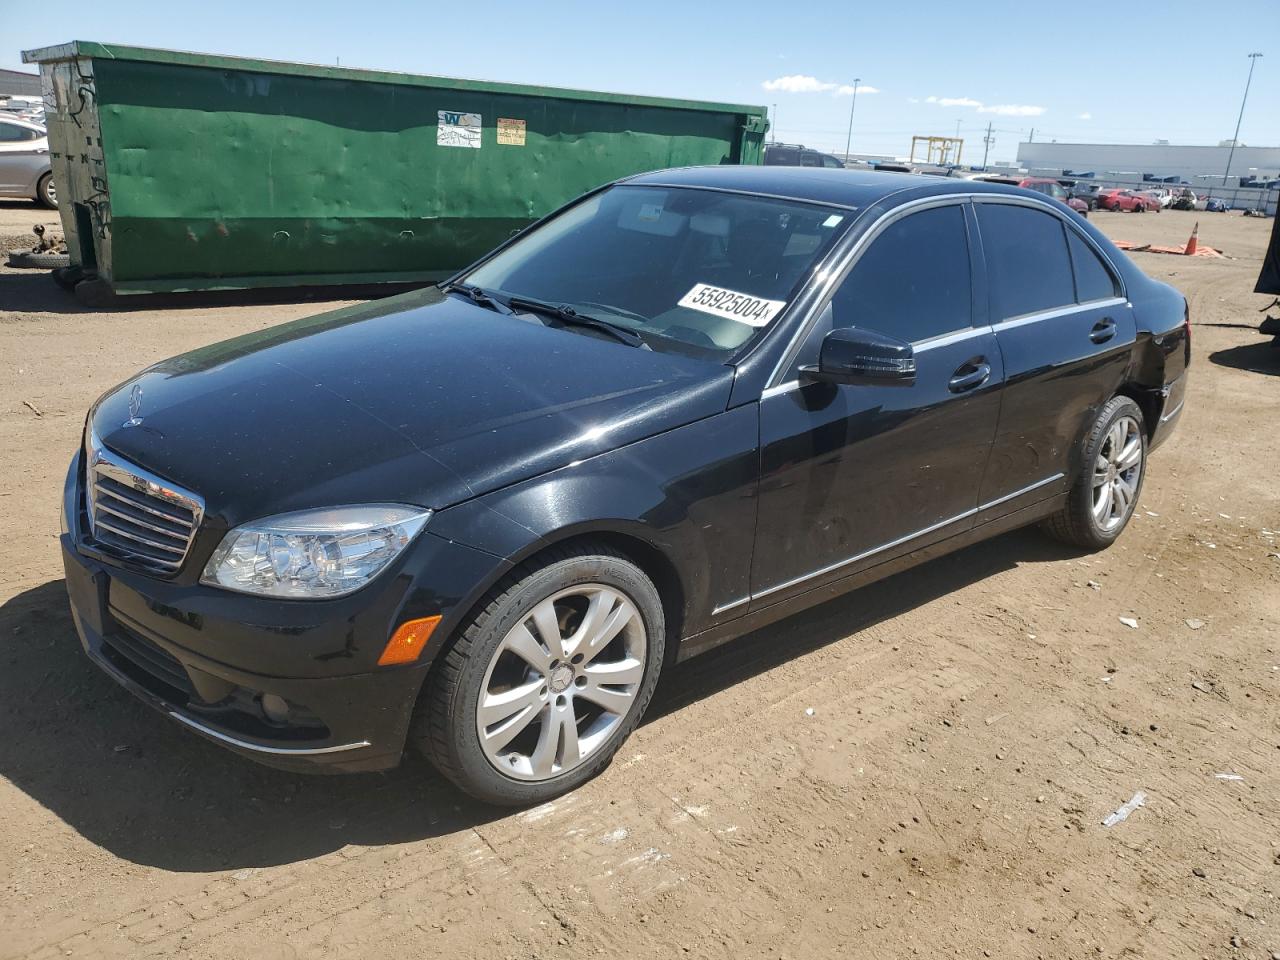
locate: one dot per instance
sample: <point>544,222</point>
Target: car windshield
<point>692,271</point>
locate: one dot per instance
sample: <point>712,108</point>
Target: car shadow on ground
<point>1260,357</point>
<point>152,793</point>
<point>33,291</point>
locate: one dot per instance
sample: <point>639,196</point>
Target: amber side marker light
<point>408,640</point>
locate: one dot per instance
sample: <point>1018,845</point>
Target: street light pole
<point>849,139</point>
<point>1253,58</point>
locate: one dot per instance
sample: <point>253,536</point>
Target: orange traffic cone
<point>1191,244</point>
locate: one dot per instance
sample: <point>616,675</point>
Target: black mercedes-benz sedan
<point>480,519</point>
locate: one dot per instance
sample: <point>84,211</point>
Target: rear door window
<point>1027,260</point>
<point>1094,279</point>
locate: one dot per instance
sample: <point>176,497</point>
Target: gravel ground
<point>974,720</point>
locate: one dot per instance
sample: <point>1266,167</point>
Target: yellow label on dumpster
<point>510,132</point>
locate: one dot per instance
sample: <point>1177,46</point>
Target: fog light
<point>276,708</point>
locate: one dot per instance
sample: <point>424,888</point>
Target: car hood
<point>418,399</point>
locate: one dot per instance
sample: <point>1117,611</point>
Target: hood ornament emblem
<point>135,405</point>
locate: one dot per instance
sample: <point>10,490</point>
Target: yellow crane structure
<point>938,150</point>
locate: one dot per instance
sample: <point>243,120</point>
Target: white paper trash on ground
<point>1134,802</point>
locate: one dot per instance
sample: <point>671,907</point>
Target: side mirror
<point>856,355</point>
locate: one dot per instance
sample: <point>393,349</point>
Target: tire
<point>93,291</point>
<point>46,192</point>
<point>1081,521</point>
<point>1139,208</point>
<point>519,752</point>
<point>68,277</point>
<point>38,261</point>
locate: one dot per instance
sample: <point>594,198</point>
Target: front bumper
<point>344,723</point>
<point>207,657</point>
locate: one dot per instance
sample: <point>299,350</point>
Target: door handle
<point>1103,330</point>
<point>970,375</point>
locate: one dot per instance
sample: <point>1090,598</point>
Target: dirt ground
<point>973,721</point>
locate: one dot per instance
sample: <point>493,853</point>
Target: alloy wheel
<point>561,682</point>
<point>1116,473</point>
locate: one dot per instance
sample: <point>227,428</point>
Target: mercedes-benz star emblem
<point>135,405</point>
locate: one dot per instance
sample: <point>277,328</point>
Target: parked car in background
<point>1159,198</point>
<point>1128,200</point>
<point>684,406</point>
<point>24,161</point>
<point>1045,185</point>
<point>1216,205</point>
<point>1086,193</point>
<point>1185,199</point>
<point>797,155</point>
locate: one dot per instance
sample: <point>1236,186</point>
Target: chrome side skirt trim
<point>1017,493</point>
<point>259,748</point>
<point>730,605</point>
<point>831,568</point>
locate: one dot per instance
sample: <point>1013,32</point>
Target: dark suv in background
<point>798,155</point>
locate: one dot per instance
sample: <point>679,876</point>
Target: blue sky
<point>1121,73</point>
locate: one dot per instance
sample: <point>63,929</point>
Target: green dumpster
<point>184,171</point>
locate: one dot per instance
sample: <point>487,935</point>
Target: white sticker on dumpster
<point>743,307</point>
<point>455,129</point>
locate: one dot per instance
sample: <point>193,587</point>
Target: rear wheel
<point>547,680</point>
<point>47,192</point>
<point>1102,499</point>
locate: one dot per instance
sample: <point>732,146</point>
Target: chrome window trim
<point>831,568</point>
<point>261,748</point>
<point>942,340</point>
<point>841,269</point>
<point>1040,205</point>
<point>1050,314</point>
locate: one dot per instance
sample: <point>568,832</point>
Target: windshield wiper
<point>566,314</point>
<point>477,296</point>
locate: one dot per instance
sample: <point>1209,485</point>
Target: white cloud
<point>803,83</point>
<point>798,83</point>
<point>1002,109</point>
<point>1085,116</point>
<point>913,99</point>
<point>1013,110</point>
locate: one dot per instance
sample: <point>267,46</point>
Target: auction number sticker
<point>742,307</point>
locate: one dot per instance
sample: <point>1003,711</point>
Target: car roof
<point>20,121</point>
<point>845,188</point>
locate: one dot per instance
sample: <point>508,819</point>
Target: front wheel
<point>1104,495</point>
<point>547,680</point>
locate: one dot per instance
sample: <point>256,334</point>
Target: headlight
<point>313,553</point>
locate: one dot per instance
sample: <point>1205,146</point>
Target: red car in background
<point>1130,200</point>
<point>1050,188</point>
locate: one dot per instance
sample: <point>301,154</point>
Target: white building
<point>1199,166</point>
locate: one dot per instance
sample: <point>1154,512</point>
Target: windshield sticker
<point>833,220</point>
<point>455,129</point>
<point>743,307</point>
<point>650,212</point>
<point>511,132</point>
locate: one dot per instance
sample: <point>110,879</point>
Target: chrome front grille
<point>137,516</point>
